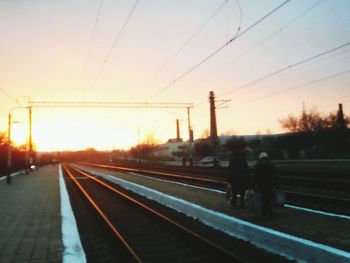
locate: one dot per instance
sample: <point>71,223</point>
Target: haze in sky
<point>169,51</point>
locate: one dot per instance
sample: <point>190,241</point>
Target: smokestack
<point>340,107</point>
<point>213,127</point>
<point>177,130</point>
<point>340,117</point>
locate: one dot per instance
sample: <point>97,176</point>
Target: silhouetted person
<point>184,161</point>
<point>266,181</point>
<point>238,174</point>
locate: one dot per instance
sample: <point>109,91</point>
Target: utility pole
<point>9,149</point>
<point>29,148</point>
<point>213,125</point>
<point>30,137</point>
<point>138,146</point>
<point>190,137</point>
<point>8,176</point>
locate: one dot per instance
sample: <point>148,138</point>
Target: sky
<point>168,51</point>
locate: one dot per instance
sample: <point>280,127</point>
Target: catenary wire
<point>341,99</point>
<point>290,66</point>
<point>115,42</point>
<point>92,37</point>
<point>219,49</point>
<point>8,95</point>
<point>293,20</point>
<point>188,41</point>
<point>240,17</point>
<point>302,85</point>
<point>312,82</point>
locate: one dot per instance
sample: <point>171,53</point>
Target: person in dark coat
<point>266,181</point>
<point>238,176</point>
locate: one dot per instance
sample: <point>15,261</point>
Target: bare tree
<point>310,121</point>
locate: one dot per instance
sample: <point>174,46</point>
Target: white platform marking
<point>73,250</point>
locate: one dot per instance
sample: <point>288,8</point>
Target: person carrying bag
<point>238,174</point>
<point>265,181</point>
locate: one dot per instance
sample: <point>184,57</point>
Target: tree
<point>317,135</point>
<point>3,152</point>
<point>2,138</point>
<point>312,120</point>
<point>146,148</point>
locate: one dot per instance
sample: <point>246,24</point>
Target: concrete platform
<point>30,218</point>
<point>297,234</point>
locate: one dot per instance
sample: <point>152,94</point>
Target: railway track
<point>139,233</point>
<point>304,191</point>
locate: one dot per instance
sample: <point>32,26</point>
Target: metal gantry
<point>113,104</point>
<point>84,104</point>
<point>103,104</point>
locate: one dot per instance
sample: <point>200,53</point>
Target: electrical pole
<point>29,148</point>
<point>190,138</point>
<point>8,176</point>
<point>213,126</point>
<point>30,137</point>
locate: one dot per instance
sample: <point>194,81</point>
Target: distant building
<point>173,149</point>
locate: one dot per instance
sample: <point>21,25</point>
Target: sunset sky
<point>146,51</point>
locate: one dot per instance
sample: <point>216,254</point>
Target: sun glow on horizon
<point>62,139</point>
<point>102,129</point>
<point>19,135</point>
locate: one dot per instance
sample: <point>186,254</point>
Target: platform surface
<point>30,219</point>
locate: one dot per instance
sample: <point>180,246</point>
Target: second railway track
<point>314,194</point>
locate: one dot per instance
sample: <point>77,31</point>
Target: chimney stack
<point>177,130</point>
<point>213,127</point>
<point>340,117</point>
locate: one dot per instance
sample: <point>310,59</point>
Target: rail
<point>214,249</point>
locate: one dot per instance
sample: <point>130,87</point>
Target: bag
<point>257,201</point>
<point>280,198</point>
<point>249,198</point>
<point>228,192</point>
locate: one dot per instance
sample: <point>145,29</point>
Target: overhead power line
<point>92,37</point>
<point>109,104</point>
<point>286,68</point>
<point>240,17</point>
<point>342,100</point>
<point>188,41</point>
<point>302,85</point>
<point>245,52</point>
<point>7,95</point>
<point>116,40</point>
<point>220,48</point>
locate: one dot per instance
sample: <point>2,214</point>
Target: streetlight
<point>9,157</point>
